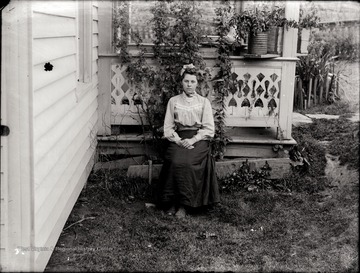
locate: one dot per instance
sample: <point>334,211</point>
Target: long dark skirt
<point>188,175</point>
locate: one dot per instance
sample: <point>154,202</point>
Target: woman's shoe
<point>181,213</point>
<point>171,211</point>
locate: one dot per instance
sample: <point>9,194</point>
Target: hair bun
<point>188,67</point>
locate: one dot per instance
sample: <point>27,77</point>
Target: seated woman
<point>188,178</point>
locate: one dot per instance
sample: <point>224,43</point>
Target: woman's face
<point>189,84</point>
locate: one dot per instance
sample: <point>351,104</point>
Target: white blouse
<point>184,113</point>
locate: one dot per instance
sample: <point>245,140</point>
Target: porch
<point>258,114</point>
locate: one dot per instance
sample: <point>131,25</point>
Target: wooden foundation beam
<point>279,166</point>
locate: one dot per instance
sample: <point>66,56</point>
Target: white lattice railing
<point>255,99</point>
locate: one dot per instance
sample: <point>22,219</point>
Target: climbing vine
<point>176,42</point>
<point>222,80</point>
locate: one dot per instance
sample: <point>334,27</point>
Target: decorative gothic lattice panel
<point>126,105</point>
<point>125,102</point>
<point>254,96</point>
<point>254,93</point>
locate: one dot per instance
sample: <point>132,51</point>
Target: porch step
<point>279,166</point>
<point>252,142</point>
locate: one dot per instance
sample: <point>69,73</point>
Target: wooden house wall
<point>65,118</point>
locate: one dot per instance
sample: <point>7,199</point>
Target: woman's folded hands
<point>187,143</point>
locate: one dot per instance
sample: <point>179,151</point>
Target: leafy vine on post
<point>222,80</point>
<point>177,35</point>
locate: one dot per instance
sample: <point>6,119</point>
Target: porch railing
<point>263,93</point>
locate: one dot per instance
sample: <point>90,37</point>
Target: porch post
<point>105,50</point>
<point>292,9</point>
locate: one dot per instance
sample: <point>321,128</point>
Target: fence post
<point>315,89</point>
<point>321,90</point>
<point>309,93</point>
<point>300,88</point>
<point>327,85</point>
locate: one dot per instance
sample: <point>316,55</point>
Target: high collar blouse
<point>184,113</point>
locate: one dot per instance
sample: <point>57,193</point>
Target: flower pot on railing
<point>275,35</point>
<point>257,44</point>
<point>303,40</point>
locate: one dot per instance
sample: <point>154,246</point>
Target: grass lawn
<point>311,225</point>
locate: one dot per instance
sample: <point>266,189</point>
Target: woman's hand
<point>187,143</point>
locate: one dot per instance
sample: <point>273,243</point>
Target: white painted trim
<point>292,10</point>
<point>104,65</point>
<point>85,41</point>
<point>17,84</point>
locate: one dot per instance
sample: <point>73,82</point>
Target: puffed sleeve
<point>208,126</point>
<point>169,123</point>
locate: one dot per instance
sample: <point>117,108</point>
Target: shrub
<point>336,42</point>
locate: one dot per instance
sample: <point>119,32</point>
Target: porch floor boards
<point>253,135</point>
<point>246,142</point>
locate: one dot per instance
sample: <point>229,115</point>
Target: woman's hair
<point>189,71</point>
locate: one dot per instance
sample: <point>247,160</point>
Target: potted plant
<point>253,25</point>
<point>261,26</point>
<point>275,32</point>
<point>308,20</point>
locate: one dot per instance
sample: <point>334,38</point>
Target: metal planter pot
<point>257,44</point>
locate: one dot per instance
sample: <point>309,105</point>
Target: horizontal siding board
<point>42,257</point>
<point>48,119</point>
<point>94,66</point>
<point>95,27</point>
<point>53,144</point>
<point>95,13</point>
<point>95,40</point>
<point>49,194</point>
<point>95,53</point>
<point>59,8</point>
<point>95,80</point>
<point>61,67</point>
<point>49,49</point>
<point>45,221</point>
<point>45,25</point>
<point>48,96</point>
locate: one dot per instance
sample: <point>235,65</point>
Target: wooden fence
<point>315,91</point>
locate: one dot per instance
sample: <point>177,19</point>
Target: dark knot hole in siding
<point>48,66</point>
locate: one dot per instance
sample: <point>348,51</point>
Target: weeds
<point>115,183</point>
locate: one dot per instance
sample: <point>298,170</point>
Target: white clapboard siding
<point>69,199</point>
<point>61,67</point>
<point>95,27</point>
<point>52,192</point>
<point>44,99</point>
<point>65,125</point>
<point>53,26</point>
<point>52,116</point>
<point>48,163</point>
<point>50,49</point>
<point>95,12</point>
<point>95,40</point>
<point>95,53</point>
<point>95,82</point>
<point>94,65</point>
<point>56,8</point>
<point>52,144</point>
